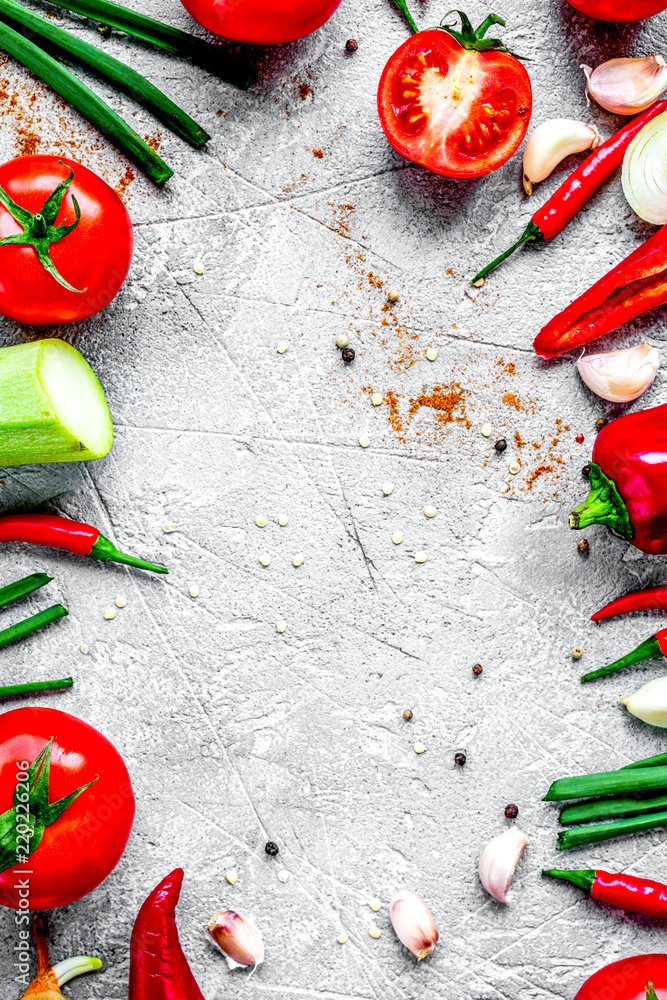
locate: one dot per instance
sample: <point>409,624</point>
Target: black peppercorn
<point>500,444</point>
<point>586,472</point>
<point>104,30</point>
<point>460,759</point>
<point>407,714</point>
<point>271,848</point>
<point>511,811</point>
<point>600,423</point>
<point>351,45</point>
<point>477,669</point>
<point>583,545</point>
<point>347,354</point>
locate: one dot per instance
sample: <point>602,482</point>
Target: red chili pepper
<point>652,599</point>
<point>625,891</point>
<point>158,968</point>
<point>635,285</point>
<point>628,477</point>
<point>61,533</point>
<point>650,649</point>
<point>572,195</point>
<point>630,979</point>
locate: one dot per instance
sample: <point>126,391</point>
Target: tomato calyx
<point>474,40</point>
<point>39,231</point>
<point>650,992</point>
<point>22,827</point>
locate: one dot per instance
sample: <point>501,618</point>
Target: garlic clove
<point>627,86</point>
<point>650,703</point>
<point>413,923</point>
<point>620,376</point>
<point>498,862</point>
<point>550,143</point>
<point>237,938</point>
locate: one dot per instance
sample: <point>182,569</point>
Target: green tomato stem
<point>402,6</point>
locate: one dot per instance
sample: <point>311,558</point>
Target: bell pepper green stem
<point>32,624</point>
<point>402,6</point>
<point>607,783</point>
<point>530,234</point>
<point>34,687</point>
<point>611,809</point>
<point>583,878</point>
<point>647,650</point>
<point>106,550</point>
<point>580,836</point>
<point>603,505</point>
<point>75,966</point>
<point>86,103</point>
<point>120,76</point>
<point>14,591</point>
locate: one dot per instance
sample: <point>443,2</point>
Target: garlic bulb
<point>620,376</point>
<point>550,143</point>
<point>498,862</point>
<point>627,86</point>
<point>650,703</point>
<point>413,923</point>
<point>237,938</point>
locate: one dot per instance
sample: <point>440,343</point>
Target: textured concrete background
<point>304,217</point>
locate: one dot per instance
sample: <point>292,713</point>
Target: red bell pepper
<point>630,979</point>
<point>158,968</point>
<point>635,285</point>
<point>640,895</point>
<point>650,649</point>
<point>628,477</point>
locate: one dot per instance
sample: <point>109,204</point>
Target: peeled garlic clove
<point>650,703</point>
<point>237,938</point>
<point>550,143</point>
<point>499,860</point>
<point>413,923</point>
<point>620,376</point>
<point>627,86</point>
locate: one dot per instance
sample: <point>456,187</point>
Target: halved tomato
<point>453,103</point>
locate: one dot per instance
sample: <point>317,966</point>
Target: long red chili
<point>61,533</point>
<point>651,599</point>
<point>635,285</point>
<point>572,195</point>
<point>625,891</point>
<point>158,968</point>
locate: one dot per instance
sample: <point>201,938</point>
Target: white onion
<point>645,172</point>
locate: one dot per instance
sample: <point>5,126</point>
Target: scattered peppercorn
<point>600,423</point>
<point>586,472</point>
<point>511,811</point>
<point>104,30</point>
<point>500,444</point>
<point>271,848</point>
<point>477,669</point>
<point>392,295</point>
<point>460,759</point>
<point>407,714</point>
<point>583,545</point>
<point>351,45</point>
<point>579,439</point>
<point>577,653</point>
<point>347,354</point>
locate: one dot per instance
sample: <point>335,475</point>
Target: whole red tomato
<point>53,268</point>
<point>627,979</point>
<point>614,10</point>
<point>82,839</point>
<point>452,105</point>
<point>265,21</point>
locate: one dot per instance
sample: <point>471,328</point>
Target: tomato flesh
<point>95,256</point>
<point>85,844</point>
<point>264,21</point>
<point>460,113</point>
<point>613,10</point>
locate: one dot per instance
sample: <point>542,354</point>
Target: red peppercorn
<point>583,545</point>
<point>579,439</point>
<point>347,354</point>
<point>511,811</point>
<point>351,45</point>
<point>460,759</point>
<point>477,669</point>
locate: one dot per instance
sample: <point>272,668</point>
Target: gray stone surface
<point>234,733</point>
